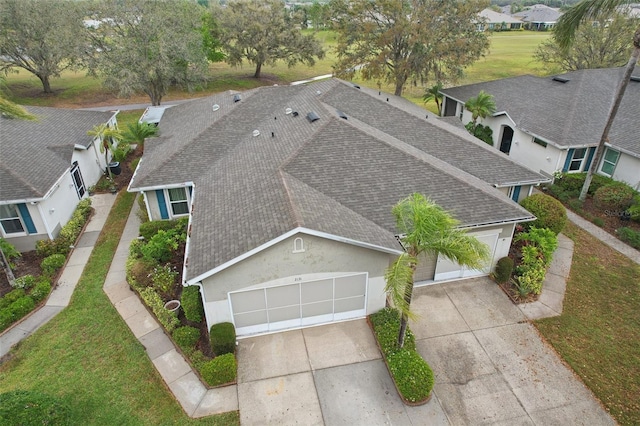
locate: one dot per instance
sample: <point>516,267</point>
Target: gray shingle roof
<point>34,154</point>
<point>539,13</point>
<point>335,176</point>
<point>571,114</point>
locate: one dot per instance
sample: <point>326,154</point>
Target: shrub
<point>46,248</point>
<point>503,270</point>
<point>138,272</point>
<point>135,248</point>
<point>634,210</point>
<point>186,337</point>
<point>68,234</point>
<point>25,282</point>
<point>22,407</point>
<point>6,318</point>
<point>386,325</point>
<point>149,229</point>
<point>223,338</point>
<point>164,278</point>
<point>167,318</point>
<point>561,194</point>
<point>51,264</point>
<point>192,303</point>
<point>160,247</point>
<point>220,370</point>
<point>531,271</point>
<point>598,222</point>
<point>629,236</point>
<point>573,182</point>
<point>543,239</point>
<point>13,295</point>
<point>550,212</point>
<point>9,251</point>
<point>616,196</point>
<point>22,307</point>
<point>41,290</point>
<point>412,375</point>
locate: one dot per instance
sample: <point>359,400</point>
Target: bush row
<point>537,252</point>
<point>192,304</point>
<point>18,303</point>
<point>412,375</point>
<point>167,318</point>
<point>629,236</point>
<point>68,234</point>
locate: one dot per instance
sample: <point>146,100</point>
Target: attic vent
<point>560,79</point>
<point>215,107</point>
<point>342,114</point>
<point>256,133</point>
<point>356,86</point>
<point>288,111</point>
<point>237,97</point>
<point>635,78</point>
<point>312,116</point>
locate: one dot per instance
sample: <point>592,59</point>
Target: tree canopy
<point>40,36</point>
<point>397,41</point>
<point>262,32</point>
<point>10,109</point>
<point>480,106</point>
<point>148,46</point>
<point>604,44</point>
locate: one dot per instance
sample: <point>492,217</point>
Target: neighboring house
<point>539,17</point>
<point>289,193</point>
<point>554,124</point>
<point>46,167</point>
<point>495,21</point>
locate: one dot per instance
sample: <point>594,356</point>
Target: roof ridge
<point>20,179</point>
<point>293,208</point>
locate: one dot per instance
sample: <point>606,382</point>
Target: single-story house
<point>552,124</point>
<point>539,17</point>
<point>496,21</point>
<point>46,167</point>
<point>289,191</point>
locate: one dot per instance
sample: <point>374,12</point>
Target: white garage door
<point>448,270</point>
<point>298,305</point>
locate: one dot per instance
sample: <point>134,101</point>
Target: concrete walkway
<point>605,237</point>
<point>61,294</point>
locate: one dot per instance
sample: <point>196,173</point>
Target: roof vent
<point>312,116</point>
<point>560,79</point>
<point>342,114</point>
<point>295,113</point>
<point>215,107</point>
<point>256,133</point>
<point>237,97</point>
<point>288,111</point>
<point>635,78</point>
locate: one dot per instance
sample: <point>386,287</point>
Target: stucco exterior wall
<point>278,265</point>
<point>628,170</point>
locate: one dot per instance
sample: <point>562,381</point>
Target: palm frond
<point>565,29</point>
<point>398,278</point>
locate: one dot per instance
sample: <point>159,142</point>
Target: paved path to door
<point>491,367</point>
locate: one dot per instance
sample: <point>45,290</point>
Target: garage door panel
<point>355,285</point>
<point>350,304</point>
<point>316,291</point>
<point>250,318</point>
<point>285,295</point>
<point>318,308</point>
<point>284,314</point>
<point>248,301</point>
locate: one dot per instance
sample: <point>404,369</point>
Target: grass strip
<point>89,359</point>
<point>598,333</point>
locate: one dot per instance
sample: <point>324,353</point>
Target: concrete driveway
<point>491,367</point>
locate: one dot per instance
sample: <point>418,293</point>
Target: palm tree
<point>427,228</point>
<point>137,133</point>
<point>433,92</point>
<point>109,136</point>
<point>564,33</point>
<point>481,106</point>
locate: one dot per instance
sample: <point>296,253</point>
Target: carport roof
<point>335,176</point>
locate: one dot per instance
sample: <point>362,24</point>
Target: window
<point>540,142</point>
<point>10,219</point>
<point>578,158</point>
<point>77,179</point>
<point>178,201</point>
<point>609,161</point>
<point>298,245</point>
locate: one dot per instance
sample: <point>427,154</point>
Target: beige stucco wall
<point>278,265</point>
<point>628,170</point>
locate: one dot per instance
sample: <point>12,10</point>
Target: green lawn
<point>88,357</point>
<point>598,333</point>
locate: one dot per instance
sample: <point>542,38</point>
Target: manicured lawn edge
<point>411,374</point>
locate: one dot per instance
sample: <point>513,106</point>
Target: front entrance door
<point>507,137</point>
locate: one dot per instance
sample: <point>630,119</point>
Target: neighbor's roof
<point>539,13</point>
<point>34,154</point>
<point>569,114</point>
<point>334,175</point>
<point>494,17</point>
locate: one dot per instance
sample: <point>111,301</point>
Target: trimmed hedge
<point>503,270</point>
<point>51,264</point>
<point>41,290</point>
<point>192,304</point>
<point>617,196</point>
<point>68,234</point>
<point>22,407</point>
<point>149,229</point>
<point>220,370</point>
<point>223,338</point>
<point>629,236</point>
<point>25,282</point>
<point>167,318</point>
<point>410,372</point>
<point>550,212</point>
<point>572,182</point>
<point>186,337</point>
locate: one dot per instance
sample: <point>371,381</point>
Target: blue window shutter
<point>516,193</point>
<point>592,151</point>
<point>26,218</point>
<point>164,213</point>
<point>567,162</point>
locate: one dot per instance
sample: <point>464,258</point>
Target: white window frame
<point>172,202</point>
<point>582,160</point>
<point>18,217</point>
<point>604,160</point>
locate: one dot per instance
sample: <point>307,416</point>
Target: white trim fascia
<point>22,200</point>
<point>129,189</point>
<point>298,230</point>
<point>187,244</point>
<point>520,183</point>
<point>156,187</point>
